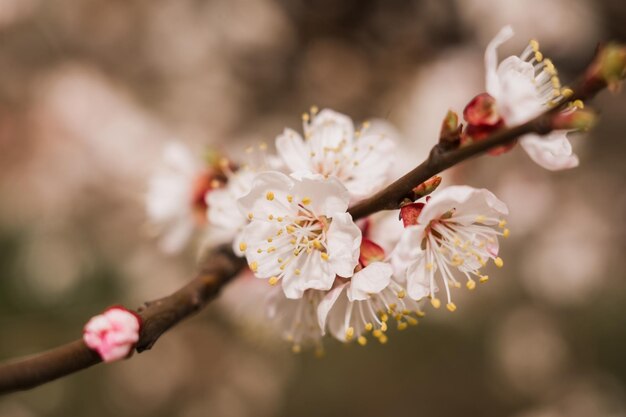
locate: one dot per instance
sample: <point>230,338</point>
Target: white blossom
<point>456,234</point>
<point>362,305</point>
<point>332,148</point>
<point>523,88</point>
<point>299,232</point>
<point>296,319</point>
<point>175,197</point>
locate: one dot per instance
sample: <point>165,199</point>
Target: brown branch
<point>441,159</point>
<point>219,266</point>
<point>216,269</point>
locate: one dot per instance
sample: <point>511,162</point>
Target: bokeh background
<point>90,90</point>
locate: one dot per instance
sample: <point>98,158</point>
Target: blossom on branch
<point>112,334</point>
<point>176,197</point>
<point>299,232</point>
<point>332,148</point>
<point>519,89</point>
<point>365,303</point>
<point>455,232</point>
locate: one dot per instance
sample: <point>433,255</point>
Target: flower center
<point>464,243</point>
<point>547,79</point>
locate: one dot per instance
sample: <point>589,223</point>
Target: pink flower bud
<point>112,334</point>
<point>370,252</point>
<point>481,111</point>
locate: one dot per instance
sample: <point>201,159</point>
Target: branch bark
<point>220,265</point>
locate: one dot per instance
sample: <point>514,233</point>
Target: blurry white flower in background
<point>176,196</point>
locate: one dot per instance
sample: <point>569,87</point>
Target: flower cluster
<point>288,213</point>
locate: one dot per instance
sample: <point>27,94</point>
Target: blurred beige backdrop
<point>90,90</point>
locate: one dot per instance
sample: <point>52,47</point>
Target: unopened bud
<point>574,120</point>
<point>481,111</point>
<point>410,212</point>
<point>427,187</point>
<point>608,68</point>
<point>370,252</point>
<point>450,134</point>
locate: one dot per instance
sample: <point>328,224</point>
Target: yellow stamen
<point>254,266</point>
<point>451,307</point>
<point>269,195</point>
<point>243,246</point>
<point>273,281</point>
<point>349,333</point>
<point>435,302</point>
<point>471,284</point>
<point>306,201</point>
<point>499,262</point>
<point>362,340</point>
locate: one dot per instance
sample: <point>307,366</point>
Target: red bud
<point>370,252</point>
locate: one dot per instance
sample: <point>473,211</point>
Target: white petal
<point>466,200</point>
<point>293,151</point>
<point>418,283</point>
<point>519,99</point>
<point>407,250</point>
<point>385,229</point>
<point>327,129</point>
<point>327,197</point>
<point>370,280</point>
<point>336,320</point>
<point>374,157</point>
<point>256,201</point>
<point>176,235</point>
<point>343,242</point>
<point>553,151</point>
<point>223,210</point>
<point>327,304</point>
<point>178,156</point>
<point>255,235</point>
<point>491,60</point>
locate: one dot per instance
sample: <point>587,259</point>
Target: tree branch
<point>217,268</point>
<point>220,265</point>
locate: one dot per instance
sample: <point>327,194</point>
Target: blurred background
<point>90,90</point>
